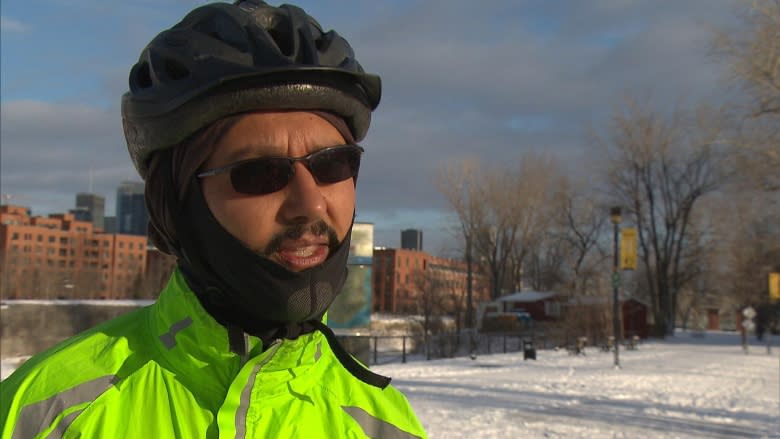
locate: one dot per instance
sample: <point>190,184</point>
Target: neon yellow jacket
<point>166,371</point>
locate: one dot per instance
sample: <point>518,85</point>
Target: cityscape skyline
<point>136,209</point>
<point>555,70</point>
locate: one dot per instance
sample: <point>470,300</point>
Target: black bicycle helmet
<point>223,59</point>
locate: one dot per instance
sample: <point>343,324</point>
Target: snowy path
<point>683,388</point>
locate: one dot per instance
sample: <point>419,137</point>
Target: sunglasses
<point>265,175</point>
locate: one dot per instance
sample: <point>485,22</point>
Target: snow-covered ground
<point>682,387</point>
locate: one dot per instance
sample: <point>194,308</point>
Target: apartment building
<point>61,257</point>
<point>401,274</point>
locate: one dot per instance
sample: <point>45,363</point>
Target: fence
<point>384,349</point>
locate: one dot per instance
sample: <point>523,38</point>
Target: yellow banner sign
<point>774,287</point>
<point>628,245</point>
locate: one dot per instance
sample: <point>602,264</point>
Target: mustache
<point>318,228</point>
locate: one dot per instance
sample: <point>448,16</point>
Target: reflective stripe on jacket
<point>166,371</point>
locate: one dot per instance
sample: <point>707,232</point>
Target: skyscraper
<point>131,216</point>
<point>92,208</point>
<point>411,239</point>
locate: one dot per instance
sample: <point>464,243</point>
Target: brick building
<point>159,267</point>
<point>61,257</point>
<point>399,274</point>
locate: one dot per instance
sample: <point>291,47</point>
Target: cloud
<point>13,26</point>
<point>460,79</point>
<point>51,151</point>
<point>493,81</point>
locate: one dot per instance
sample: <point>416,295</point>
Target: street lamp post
<point>615,217</point>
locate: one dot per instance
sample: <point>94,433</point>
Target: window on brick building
<point>52,239</point>
<point>121,244</point>
<point>15,237</point>
<point>40,238</point>
<point>28,236</point>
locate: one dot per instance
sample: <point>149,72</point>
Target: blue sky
<point>461,79</point>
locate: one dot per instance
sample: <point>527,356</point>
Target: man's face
<point>287,226</point>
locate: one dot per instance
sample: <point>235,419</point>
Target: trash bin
<point>529,351</point>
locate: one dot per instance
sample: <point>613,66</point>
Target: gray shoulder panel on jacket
<point>39,416</point>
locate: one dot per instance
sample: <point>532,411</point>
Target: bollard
<point>403,349</point>
<point>375,343</point>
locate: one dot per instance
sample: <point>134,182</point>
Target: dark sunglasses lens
<point>335,165</point>
<point>261,176</point>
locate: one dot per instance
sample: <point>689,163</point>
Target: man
<point>243,120</point>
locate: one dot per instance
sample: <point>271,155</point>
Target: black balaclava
<point>239,287</point>
<point>255,294</point>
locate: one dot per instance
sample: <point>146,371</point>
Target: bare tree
<point>429,292</point>
<point>459,182</point>
<point>581,227</point>
<point>750,247</point>
<point>503,211</point>
<point>753,55</point>
<point>539,187</point>
<point>495,237</point>
<point>660,168</point>
<point>699,262</point>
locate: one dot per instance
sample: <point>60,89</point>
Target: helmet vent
<point>175,69</point>
<point>320,44</point>
<point>143,78</point>
<point>282,41</point>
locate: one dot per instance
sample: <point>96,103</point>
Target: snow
<point>683,387</point>
<point>687,386</point>
<point>107,302</point>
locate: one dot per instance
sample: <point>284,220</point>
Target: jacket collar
<point>198,350</point>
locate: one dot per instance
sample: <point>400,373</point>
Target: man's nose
<point>304,201</point>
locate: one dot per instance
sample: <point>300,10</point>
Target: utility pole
<point>615,217</point>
